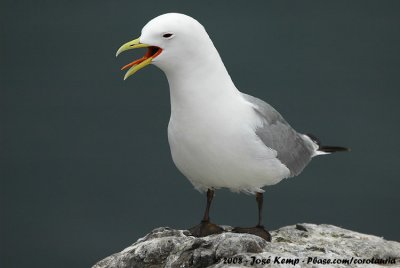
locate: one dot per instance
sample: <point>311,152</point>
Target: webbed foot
<point>257,230</point>
<point>205,228</point>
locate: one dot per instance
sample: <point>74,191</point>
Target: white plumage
<point>212,130</point>
<point>219,137</point>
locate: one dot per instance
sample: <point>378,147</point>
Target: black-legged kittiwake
<point>219,137</point>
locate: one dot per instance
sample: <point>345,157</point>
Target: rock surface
<point>301,245</point>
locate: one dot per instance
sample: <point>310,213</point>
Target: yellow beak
<point>142,62</point>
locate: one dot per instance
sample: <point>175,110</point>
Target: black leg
<point>259,228</point>
<point>210,195</point>
<point>260,200</point>
<point>206,227</point>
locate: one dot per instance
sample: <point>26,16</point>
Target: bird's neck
<point>199,84</point>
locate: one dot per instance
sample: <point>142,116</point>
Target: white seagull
<point>218,136</point>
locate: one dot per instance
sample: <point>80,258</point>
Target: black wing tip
<point>333,149</point>
<point>327,149</point>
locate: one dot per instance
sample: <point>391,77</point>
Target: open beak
<point>136,65</point>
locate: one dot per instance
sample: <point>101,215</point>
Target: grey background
<point>85,164</point>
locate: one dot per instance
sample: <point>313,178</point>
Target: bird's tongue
<point>152,52</point>
<point>133,63</point>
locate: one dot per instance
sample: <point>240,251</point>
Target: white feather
<point>212,128</point>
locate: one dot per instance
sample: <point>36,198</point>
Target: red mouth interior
<point>152,52</point>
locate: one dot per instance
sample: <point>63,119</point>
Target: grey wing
<point>276,133</point>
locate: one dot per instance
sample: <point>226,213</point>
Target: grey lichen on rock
<point>301,245</point>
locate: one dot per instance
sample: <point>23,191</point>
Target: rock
<point>301,245</point>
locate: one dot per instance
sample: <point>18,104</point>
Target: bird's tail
<point>326,149</point>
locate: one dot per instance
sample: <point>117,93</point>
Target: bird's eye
<point>167,35</point>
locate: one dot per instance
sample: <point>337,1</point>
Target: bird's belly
<point>231,157</point>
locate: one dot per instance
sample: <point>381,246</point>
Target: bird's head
<point>173,41</point>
